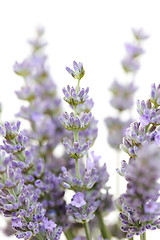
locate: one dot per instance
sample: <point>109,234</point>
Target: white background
<point>89,31</point>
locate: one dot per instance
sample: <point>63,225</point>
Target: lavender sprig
<point>139,204</point>
<point>18,198</point>
<point>44,106</point>
<point>85,181</point>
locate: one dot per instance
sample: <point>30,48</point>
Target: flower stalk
<point>103,228</point>
<point>143,236</point>
<point>87,231</point>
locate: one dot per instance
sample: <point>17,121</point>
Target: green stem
<point>103,228</point>
<point>146,128</point>
<point>78,85</point>
<point>77,169</point>
<point>132,238</point>
<point>38,237</point>
<point>86,226</point>
<point>143,236</point>
<point>75,136</point>
<point>69,235</point>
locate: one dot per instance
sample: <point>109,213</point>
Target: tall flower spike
<point>44,106</point>
<point>140,208</point>
<point>89,181</point>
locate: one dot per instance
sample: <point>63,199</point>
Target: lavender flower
<point>73,98</point>
<point>147,129</point>
<point>122,95</point>
<point>140,34</point>
<point>78,200</point>
<point>76,150</point>
<point>18,194</point>
<point>87,181</point>
<point>133,50</point>
<point>116,131</point>
<point>140,206</point>
<point>122,99</point>
<point>140,209</point>
<point>78,72</point>
<point>92,177</point>
<point>71,122</point>
<point>80,211</point>
<point>130,63</point>
<point>44,106</point>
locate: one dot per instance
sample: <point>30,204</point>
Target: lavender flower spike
<point>139,204</point>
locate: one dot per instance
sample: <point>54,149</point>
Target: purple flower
<point>71,122</point>
<point>140,34</point>
<point>133,50</point>
<point>78,72</point>
<point>122,98</point>
<point>73,97</point>
<point>145,119</point>
<point>139,203</point>
<point>116,131</point>
<point>78,200</point>
<point>130,65</point>
<point>49,224</point>
<point>76,150</point>
<point>151,207</point>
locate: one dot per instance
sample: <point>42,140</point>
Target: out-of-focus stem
<point>103,228</point>
<point>76,137</point>
<point>143,236</point>
<point>78,85</point>
<point>69,235</point>
<point>77,169</point>
<point>87,230</point>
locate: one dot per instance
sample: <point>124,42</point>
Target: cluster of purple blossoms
<point>43,106</point>
<point>80,123</point>
<point>90,175</point>
<point>116,125</point>
<point>139,205</point>
<point>130,63</point>
<point>34,182</point>
<point>19,195</point>
<point>86,180</point>
<point>73,98</point>
<point>123,93</point>
<point>147,129</point>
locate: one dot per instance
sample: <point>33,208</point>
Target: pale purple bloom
<point>49,224</point>
<point>139,203</point>
<point>71,122</point>
<point>130,65</point>
<point>140,34</point>
<point>116,131</point>
<point>151,207</point>
<point>75,149</point>
<point>73,97</point>
<point>80,214</point>
<point>78,72</point>
<point>78,200</point>
<point>145,119</point>
<point>133,50</point>
<point>122,98</point>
